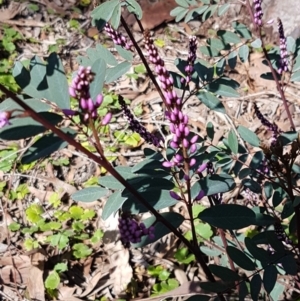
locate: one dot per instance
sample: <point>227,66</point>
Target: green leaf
<point>210,130</point>
<point>104,12</point>
<point>22,128</point>
<point>258,253</point>
<point>277,292</point>
<point>232,59</point>
<point>76,212</point>
<point>183,256</point>
<point>61,267</point>
<point>115,17</point>
<point>135,8</point>
<point>210,252</point>
<point>224,273</point>
<point>182,3</point>
<point>233,142</point>
<point>211,101</point>
<point>256,43</point>
<point>116,72</point>
<point>228,36</point>
<point>58,88</point>
<point>222,89</point>
<point>89,194</point>
<point>81,250</point>
<point>34,212</point>
<point>248,136</point>
<point>125,54</point>
<point>113,204</point>
<point>240,258</point>
<point>242,30</point>
<point>45,146</point>
<point>289,264</point>
<point>179,13</point>
<point>36,104</point>
<point>52,281</point>
<point>157,198</point>
<point>97,236</point>
<point>204,230</point>
<point>244,53</point>
<point>14,227</point>
<point>270,277</point>
<point>216,287</point>
<point>160,229</point>
<point>295,76</point>
<point>232,216</point>
<point>99,69</point>
<point>255,286</point>
<point>213,184</point>
<point>223,9</point>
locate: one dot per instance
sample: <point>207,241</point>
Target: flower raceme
<point>283,63</point>
<point>117,37</point>
<point>80,90</point>
<point>178,120</point>
<point>136,126</point>
<point>258,13</point>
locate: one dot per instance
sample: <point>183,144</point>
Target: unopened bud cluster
<point>80,89</point>
<point>136,126</point>
<point>178,120</point>
<point>189,69</point>
<point>283,66</point>
<point>117,37</point>
<point>131,231</point>
<point>258,13</point>
<point>271,126</point>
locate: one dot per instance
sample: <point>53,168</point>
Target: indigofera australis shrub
<point>184,167</point>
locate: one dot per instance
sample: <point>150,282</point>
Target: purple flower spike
<point>189,69</point>
<point>283,66</point>
<point>258,14</point>
<point>117,37</point>
<point>4,118</point>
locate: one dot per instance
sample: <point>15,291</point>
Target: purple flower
<point>283,64</point>
<point>4,118</point>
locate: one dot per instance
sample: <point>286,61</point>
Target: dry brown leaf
<point>9,13</point>
<point>35,286</point>
<point>15,269</point>
<point>120,269</point>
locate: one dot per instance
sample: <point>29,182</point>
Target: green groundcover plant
<point>184,168</point>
